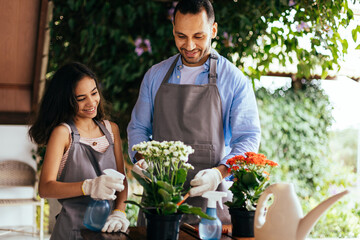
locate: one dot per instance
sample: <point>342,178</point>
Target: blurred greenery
<point>120,40</point>
<point>343,146</point>
<point>297,123</point>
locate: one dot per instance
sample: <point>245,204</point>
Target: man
<point>200,98</point>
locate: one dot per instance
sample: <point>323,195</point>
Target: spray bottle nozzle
<point>114,173</point>
<point>213,197</point>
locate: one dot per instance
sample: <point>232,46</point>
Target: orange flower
<point>251,158</point>
<point>235,168</point>
<point>240,167</point>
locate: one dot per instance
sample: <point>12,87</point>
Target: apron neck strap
<point>213,74</point>
<point>74,131</point>
<point>171,69</point>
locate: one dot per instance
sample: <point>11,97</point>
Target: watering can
<point>284,219</point>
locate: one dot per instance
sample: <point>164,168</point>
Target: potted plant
<point>163,188</point>
<point>250,176</point>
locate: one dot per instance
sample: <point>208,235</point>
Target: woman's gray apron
<point>83,163</point>
<point>193,114</point>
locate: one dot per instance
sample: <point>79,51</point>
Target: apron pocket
<point>202,158</point>
<point>204,155</point>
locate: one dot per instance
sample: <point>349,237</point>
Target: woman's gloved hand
<point>117,221</point>
<point>139,166</point>
<point>103,187</point>
<point>205,180</point>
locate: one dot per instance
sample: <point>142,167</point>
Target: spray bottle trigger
<point>221,204</point>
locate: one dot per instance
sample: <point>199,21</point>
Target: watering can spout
<point>307,222</point>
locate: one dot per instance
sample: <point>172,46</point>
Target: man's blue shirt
<point>239,110</point>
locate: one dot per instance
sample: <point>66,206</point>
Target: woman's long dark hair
<point>59,104</point>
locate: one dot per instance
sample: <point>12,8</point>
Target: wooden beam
<point>17,118</point>
<point>291,75</point>
<point>39,53</point>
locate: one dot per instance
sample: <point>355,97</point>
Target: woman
<point>80,144</point>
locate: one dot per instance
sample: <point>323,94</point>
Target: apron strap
<point>213,74</point>
<point>105,131</point>
<point>74,132</point>
<point>171,69</point>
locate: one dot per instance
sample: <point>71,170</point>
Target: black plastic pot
<point>242,222</point>
<point>162,227</point>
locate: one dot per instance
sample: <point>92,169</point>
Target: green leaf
<point>164,194</point>
<point>146,174</point>
<point>185,208</point>
<point>357,47</point>
<point>169,208</point>
<point>166,186</point>
<point>249,179</point>
<point>180,176</point>
<point>145,183</point>
<point>71,23</point>
<point>354,34</point>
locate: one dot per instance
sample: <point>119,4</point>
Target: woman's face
<point>87,97</point>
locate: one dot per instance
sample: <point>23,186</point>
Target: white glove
<point>205,180</point>
<point>117,221</point>
<point>139,166</point>
<point>103,187</point>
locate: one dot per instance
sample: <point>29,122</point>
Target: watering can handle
<point>259,219</point>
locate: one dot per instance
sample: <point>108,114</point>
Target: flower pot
<point>162,227</point>
<point>242,222</point>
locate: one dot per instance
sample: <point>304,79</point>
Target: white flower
<point>188,165</point>
<point>184,158</point>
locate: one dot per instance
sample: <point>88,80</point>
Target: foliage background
<point>105,35</point>
<point>297,123</point>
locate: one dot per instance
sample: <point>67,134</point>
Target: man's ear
<point>214,30</point>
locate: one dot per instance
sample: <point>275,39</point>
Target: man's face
<point>193,34</point>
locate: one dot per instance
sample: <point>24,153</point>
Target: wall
<point>15,145</point>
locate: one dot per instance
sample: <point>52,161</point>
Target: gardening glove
<point>205,180</point>
<point>117,221</point>
<point>139,166</point>
<point>103,187</point>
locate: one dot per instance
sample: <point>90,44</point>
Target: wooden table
<point>139,233</point>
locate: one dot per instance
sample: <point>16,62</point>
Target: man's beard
<point>203,53</point>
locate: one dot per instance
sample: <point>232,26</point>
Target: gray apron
<point>193,114</point>
<point>83,163</point>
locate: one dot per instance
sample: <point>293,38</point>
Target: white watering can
<point>284,218</point>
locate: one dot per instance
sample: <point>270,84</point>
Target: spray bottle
<point>98,210</point>
<point>211,229</point>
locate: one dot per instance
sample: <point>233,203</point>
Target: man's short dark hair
<point>195,7</point>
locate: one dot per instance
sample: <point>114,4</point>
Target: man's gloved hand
<point>103,187</point>
<point>205,180</point>
<point>139,166</point>
<point>117,221</point>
